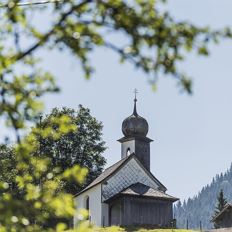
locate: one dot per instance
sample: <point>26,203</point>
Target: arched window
<point>128,152</point>
<point>87,203</point>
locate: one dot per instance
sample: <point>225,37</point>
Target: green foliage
<point>83,146</point>
<point>8,171</point>
<point>221,202</point>
<point>154,43</point>
<point>110,229</point>
<point>39,196</point>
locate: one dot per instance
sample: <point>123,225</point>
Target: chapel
<point>127,193</point>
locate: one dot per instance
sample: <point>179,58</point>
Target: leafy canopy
<point>36,196</point>
<point>83,146</point>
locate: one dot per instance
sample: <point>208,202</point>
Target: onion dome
<point>135,125</point>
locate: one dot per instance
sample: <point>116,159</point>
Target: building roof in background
<point>220,214</point>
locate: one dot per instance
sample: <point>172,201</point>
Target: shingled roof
<point>225,209</point>
<point>112,169</point>
<point>105,174</point>
<point>141,190</point>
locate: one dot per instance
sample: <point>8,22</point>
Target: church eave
<point>139,190</point>
<point>119,195</point>
<point>125,139</point>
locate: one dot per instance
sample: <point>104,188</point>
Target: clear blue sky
<point>192,134</point>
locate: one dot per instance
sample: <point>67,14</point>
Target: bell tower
<point>135,140</point>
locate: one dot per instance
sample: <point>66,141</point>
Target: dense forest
<point>200,208</point>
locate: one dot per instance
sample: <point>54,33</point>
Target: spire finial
<point>135,100</point>
<point>135,92</point>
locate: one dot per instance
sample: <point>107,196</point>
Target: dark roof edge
<point>123,139</point>
<point>138,196</point>
<point>220,213</point>
<point>152,188</point>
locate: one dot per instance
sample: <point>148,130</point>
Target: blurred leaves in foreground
<point>37,201</point>
<point>153,41</point>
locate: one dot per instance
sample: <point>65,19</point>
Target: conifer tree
<point>221,203</point>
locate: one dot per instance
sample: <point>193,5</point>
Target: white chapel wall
<point>129,174</point>
<point>105,214</point>
<point>95,208</point>
<point>124,147</point>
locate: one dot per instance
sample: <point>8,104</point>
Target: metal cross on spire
<point>135,100</point>
<point>135,92</point>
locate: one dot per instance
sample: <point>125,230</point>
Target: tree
<point>83,146</point>
<point>31,198</point>
<point>8,169</point>
<point>221,203</point>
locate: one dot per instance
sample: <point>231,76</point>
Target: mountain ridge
<point>200,208</point>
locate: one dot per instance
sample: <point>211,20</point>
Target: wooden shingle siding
<point>141,211</point>
<point>127,175</point>
<point>226,220</point>
<point>147,212</point>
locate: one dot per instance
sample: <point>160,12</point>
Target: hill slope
<point>201,207</point>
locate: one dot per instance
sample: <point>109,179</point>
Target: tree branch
<point>121,52</point>
<point>48,34</point>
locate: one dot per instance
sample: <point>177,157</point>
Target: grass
<point>118,229</point>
